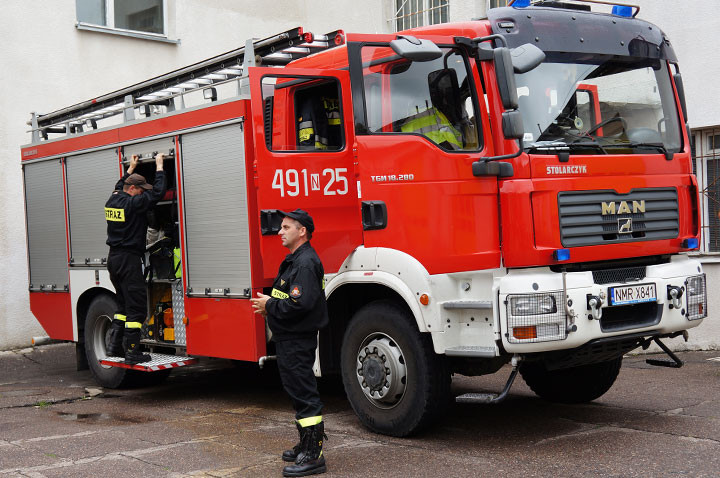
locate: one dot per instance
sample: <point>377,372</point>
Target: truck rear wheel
<point>393,378</point>
<point>97,328</point>
<point>571,385</point>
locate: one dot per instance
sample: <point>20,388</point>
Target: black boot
<point>115,347</point>
<point>131,340</point>
<point>291,455</point>
<point>310,460</point>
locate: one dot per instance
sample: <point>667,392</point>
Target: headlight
<point>536,317</point>
<point>535,304</point>
<point>696,297</point>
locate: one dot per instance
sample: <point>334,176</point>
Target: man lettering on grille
<point>295,312</point>
<point>125,213</point>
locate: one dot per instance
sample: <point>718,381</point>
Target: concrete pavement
<point>217,420</point>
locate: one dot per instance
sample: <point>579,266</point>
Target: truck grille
<point>608,276</point>
<point>589,218</point>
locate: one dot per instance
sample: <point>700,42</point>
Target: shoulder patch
<point>295,291</point>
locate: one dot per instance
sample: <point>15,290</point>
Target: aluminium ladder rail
<point>276,50</point>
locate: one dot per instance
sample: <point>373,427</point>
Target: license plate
<point>633,294</point>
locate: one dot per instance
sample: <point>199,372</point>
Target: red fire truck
<point>515,189</point>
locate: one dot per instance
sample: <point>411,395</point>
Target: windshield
<point>602,104</point>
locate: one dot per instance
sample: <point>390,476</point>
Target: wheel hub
<point>381,370</point>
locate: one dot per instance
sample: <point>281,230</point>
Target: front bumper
<point>541,310</point>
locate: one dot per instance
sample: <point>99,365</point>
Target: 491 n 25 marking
<point>293,182</point>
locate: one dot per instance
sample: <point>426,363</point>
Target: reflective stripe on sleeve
<point>278,294</point>
<point>133,325</point>
<point>120,317</point>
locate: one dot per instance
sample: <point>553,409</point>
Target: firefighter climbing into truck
<point>515,190</point>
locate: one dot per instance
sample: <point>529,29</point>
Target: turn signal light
<point>424,299</point>
<point>524,333</point>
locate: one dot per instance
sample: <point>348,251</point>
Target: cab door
<point>304,159</point>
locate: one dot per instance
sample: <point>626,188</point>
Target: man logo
<point>624,208</point>
<point>625,226</point>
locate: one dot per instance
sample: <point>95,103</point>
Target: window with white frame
<point>144,18</point>
<point>416,13</point>
<point>706,162</point>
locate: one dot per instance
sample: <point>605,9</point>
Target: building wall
<point>48,64</point>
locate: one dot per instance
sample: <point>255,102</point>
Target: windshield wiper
<point>562,147</point>
<point>657,147</point>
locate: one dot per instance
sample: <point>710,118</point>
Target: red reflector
<point>339,39</point>
<point>524,333</point>
<point>308,37</point>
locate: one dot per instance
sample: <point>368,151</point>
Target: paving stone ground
<point>219,420</point>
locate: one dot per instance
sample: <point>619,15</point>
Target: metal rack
<point>276,50</point>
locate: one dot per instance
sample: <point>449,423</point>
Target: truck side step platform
<point>489,398</point>
<point>158,362</point>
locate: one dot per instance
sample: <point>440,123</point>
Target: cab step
<point>158,362</point>
<point>489,398</point>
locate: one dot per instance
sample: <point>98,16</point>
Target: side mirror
<point>413,49</point>
<point>526,57</point>
<point>512,125</point>
<point>505,78</point>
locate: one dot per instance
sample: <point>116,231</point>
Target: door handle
<point>270,221</point>
<point>374,215</point>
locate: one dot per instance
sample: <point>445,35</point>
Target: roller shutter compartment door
<point>91,178</point>
<point>45,209</point>
<point>216,212</point>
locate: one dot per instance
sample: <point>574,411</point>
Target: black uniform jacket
<point>126,215</point>
<point>298,307</point>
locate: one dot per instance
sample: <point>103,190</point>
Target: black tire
<point>97,327</point>
<point>413,394</point>
<point>579,384</point>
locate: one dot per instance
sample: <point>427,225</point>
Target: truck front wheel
<point>393,379</point>
<point>579,384</point>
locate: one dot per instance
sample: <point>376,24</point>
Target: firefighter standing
<point>295,312</point>
<point>125,213</point>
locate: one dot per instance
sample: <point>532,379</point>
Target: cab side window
<point>302,114</point>
<point>433,99</point>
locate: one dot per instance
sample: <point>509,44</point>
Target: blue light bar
<point>690,243</point>
<point>561,254</point>
<point>622,11</point>
<point>521,3</point>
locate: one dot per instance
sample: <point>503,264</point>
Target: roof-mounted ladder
<point>277,50</point>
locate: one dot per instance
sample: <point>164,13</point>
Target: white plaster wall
<point>48,64</point>
<point>693,28</point>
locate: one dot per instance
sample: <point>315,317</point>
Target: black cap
<point>302,217</point>
<point>139,181</point>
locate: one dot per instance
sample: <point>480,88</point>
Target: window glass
<point>139,15</point>
<point>599,103</point>
<point>136,15</point>
<point>431,98</point>
<point>91,11</point>
<point>714,141</point>
<point>302,114</point>
<point>416,13</point>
